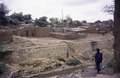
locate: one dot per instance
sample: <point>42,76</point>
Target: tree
<point>54,21</point>
<point>27,18</point>
<point>42,21</point>
<point>98,21</point>
<point>77,23</point>
<point>3,12</point>
<point>109,8</point>
<point>84,21</point>
<point>69,21</point>
<point>116,33</point>
<point>17,18</point>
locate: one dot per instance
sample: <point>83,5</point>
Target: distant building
<point>32,31</point>
<point>73,30</point>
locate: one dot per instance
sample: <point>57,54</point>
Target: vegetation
<point>3,68</point>
<point>109,8</point>
<point>3,14</point>
<point>77,23</point>
<point>17,18</point>
<point>72,62</point>
<point>42,21</point>
<point>111,63</point>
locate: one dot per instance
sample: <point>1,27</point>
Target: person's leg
<point>98,67</point>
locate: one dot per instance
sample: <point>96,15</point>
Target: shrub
<point>3,68</point>
<point>110,64</point>
<point>72,62</point>
<point>3,50</point>
<point>3,42</point>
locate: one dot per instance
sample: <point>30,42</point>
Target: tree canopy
<point>3,12</point>
<point>42,21</point>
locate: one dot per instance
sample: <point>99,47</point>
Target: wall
<point>59,50</point>
<point>42,32</point>
<point>6,35</point>
<point>67,36</point>
<point>32,31</point>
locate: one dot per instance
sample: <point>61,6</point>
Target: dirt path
<point>91,73</point>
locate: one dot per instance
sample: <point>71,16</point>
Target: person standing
<point>98,59</point>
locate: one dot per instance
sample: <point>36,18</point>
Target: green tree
<point>69,21</point>
<point>27,18</point>
<point>77,23</point>
<point>3,12</point>
<point>54,21</point>
<point>42,21</point>
<point>84,21</point>
<point>17,18</point>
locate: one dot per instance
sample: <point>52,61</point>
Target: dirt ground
<point>24,42</point>
<point>45,63</point>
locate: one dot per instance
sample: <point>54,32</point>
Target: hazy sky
<point>90,10</point>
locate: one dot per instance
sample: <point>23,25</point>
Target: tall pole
<point>62,15</point>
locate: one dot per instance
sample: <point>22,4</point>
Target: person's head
<point>98,50</point>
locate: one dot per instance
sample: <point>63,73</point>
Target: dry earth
<point>23,42</point>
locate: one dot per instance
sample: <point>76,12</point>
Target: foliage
<point>17,18</point>
<point>42,21</point>
<point>109,8</point>
<point>69,21</point>
<point>84,21</point>
<point>110,64</point>
<point>3,68</point>
<point>3,12</point>
<point>73,61</point>
<point>54,22</point>
<point>3,49</point>
<point>77,23</point>
<point>98,21</point>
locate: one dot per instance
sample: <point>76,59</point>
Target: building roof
<point>74,29</point>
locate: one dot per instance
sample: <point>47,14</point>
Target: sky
<point>89,10</point>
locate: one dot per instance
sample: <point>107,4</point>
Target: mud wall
<point>60,50</point>
<point>67,36</point>
<point>32,31</point>
<point>6,35</point>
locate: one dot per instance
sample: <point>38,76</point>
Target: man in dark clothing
<point>98,60</point>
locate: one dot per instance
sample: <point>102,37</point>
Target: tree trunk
<point>116,33</point>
